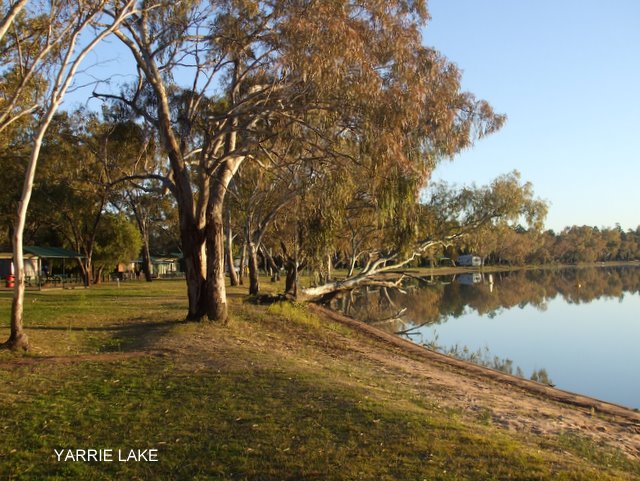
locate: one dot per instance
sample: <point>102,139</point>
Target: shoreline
<point>551,392</point>
<point>525,404</point>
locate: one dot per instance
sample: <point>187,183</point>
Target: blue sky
<point>567,74</point>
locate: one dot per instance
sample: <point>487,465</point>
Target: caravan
<point>469,260</point>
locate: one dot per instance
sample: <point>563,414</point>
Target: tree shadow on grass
<point>133,336</point>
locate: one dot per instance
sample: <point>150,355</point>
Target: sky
<point>567,75</point>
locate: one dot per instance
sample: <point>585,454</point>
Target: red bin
<point>10,280</point>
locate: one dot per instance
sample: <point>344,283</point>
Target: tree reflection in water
<point>433,300</point>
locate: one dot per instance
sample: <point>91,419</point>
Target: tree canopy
<point>326,85</point>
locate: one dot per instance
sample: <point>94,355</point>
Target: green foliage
<point>117,241</point>
<point>23,81</point>
<point>505,201</point>
<point>294,312</point>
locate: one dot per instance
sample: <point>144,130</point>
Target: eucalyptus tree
<point>580,244</point>
<point>441,218</point>
<point>118,241</point>
<point>264,189</point>
<point>49,40</point>
<point>379,174</point>
<point>127,148</point>
<point>81,155</point>
<point>336,70</point>
<point>630,245</point>
<point>148,208</point>
<point>482,242</point>
<point>260,196</point>
<point>542,253</point>
<point>512,244</point>
<point>613,239</point>
<point>198,130</point>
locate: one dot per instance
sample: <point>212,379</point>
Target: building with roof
<point>41,261</point>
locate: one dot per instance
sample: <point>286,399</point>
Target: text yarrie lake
<point>106,455</point>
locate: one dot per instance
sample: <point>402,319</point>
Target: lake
<point>581,325</point>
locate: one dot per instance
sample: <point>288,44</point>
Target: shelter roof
<point>52,252</point>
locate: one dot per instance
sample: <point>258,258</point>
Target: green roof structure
<point>52,252</point>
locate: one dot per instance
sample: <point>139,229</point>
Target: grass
<point>277,395</point>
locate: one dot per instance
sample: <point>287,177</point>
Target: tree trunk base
<point>16,343</point>
<point>218,313</point>
<point>196,318</point>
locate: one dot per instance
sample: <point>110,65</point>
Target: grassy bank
<point>278,394</point>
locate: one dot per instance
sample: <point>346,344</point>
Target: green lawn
<point>276,395</point>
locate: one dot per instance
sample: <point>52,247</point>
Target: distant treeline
<point>575,244</point>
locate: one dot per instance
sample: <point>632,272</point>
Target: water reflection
<point>581,325</point>
<point>433,300</point>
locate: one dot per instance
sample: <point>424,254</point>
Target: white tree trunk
<point>63,74</point>
<point>18,339</point>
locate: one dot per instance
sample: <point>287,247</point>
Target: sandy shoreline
<point>514,403</point>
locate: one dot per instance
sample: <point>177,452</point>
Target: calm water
<point>581,325</point>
